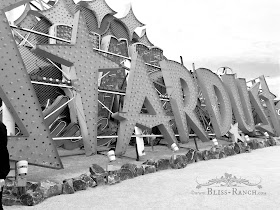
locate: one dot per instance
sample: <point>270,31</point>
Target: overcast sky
<point>241,34</point>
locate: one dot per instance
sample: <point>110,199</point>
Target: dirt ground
<point>76,163</point>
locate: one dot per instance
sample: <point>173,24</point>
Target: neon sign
<point>223,97</point>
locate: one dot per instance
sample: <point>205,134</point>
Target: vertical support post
<point>20,182</point>
<point>8,120</point>
<point>195,144</point>
<point>181,58</point>
<point>137,155</point>
<point>152,139</point>
<point>139,143</point>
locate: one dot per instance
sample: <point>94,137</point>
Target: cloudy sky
<point>241,34</point>
<point>211,31</point>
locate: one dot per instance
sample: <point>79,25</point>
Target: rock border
<point>36,192</point>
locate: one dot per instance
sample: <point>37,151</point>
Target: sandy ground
<point>176,189</point>
<point>75,165</point>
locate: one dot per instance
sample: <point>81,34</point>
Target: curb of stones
<point>36,192</point>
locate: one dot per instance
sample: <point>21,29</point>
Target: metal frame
<point>67,41</point>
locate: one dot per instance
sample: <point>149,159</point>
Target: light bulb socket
<point>111,155</point>
<point>22,167</point>
<point>174,147</point>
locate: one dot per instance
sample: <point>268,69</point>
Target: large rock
<point>272,141</point>
<point>79,184</point>
<point>236,148</point>
<point>149,169</point>
<point>125,173</point>
<point>244,147</point>
<point>98,174</point>
<point>253,144</point>
<point>131,167</point>
<point>10,188</point>
<point>88,180</point>
<point>178,161</point>
<point>222,154</point>
<point>9,200</point>
<point>266,143</point>
<point>213,153</point>
<point>276,140</point>
<point>261,144</point>
<point>199,156</point>
<point>191,156</point>
<point>96,170</point>
<point>32,185</point>
<point>163,164</point>
<point>113,177</point>
<point>229,150</point>
<point>31,198</point>
<point>139,171</point>
<point>150,162</point>
<point>99,179</point>
<point>50,188</point>
<point>205,155</point>
<point>67,186</point>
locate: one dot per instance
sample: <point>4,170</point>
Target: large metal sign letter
<point>265,126</point>
<point>268,97</point>
<point>140,90</point>
<point>183,103</point>
<point>35,144</point>
<point>237,91</point>
<point>217,100</point>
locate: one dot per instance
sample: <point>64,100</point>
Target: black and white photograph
<point>129,104</point>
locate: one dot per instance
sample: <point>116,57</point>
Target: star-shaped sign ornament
<point>131,21</point>
<point>26,20</point>
<point>35,143</point>
<point>71,5</point>
<point>58,14</point>
<point>100,8</point>
<point>87,62</point>
<point>234,133</point>
<point>144,38</point>
<point>23,15</point>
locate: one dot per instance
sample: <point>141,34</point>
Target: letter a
<point>140,90</point>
